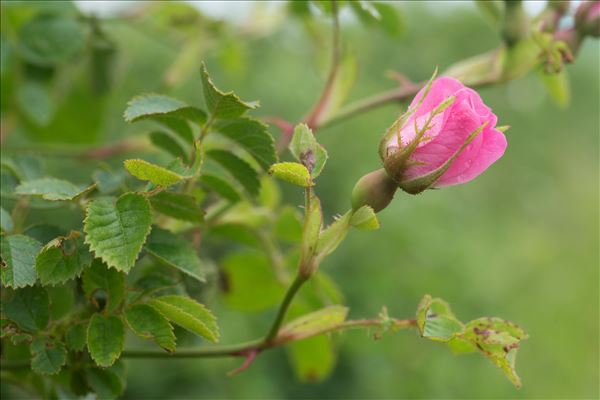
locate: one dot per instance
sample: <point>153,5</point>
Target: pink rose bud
<point>447,137</point>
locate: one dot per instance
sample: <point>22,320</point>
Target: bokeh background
<point>520,242</point>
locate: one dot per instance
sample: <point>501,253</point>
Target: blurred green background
<point>520,242</point>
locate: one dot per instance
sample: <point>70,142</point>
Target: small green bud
<point>376,189</point>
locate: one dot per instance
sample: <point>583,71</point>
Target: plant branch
<point>251,349</point>
<point>285,304</point>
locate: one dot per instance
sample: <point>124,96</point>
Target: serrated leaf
<point>105,339</point>
<point>292,172</point>
<point>238,168</point>
<point>148,323</point>
<point>436,321</point>
<point>151,172</point>
<point>99,279</point>
<point>220,186</point>
<point>76,336</point>
<point>175,252</point>
<point>365,218</point>
<point>220,104</point>
<point>48,357</point>
<point>188,314</point>
<point>253,136</point>
<point>314,323</point>
<point>178,205</point>
<point>499,341</point>
<point>28,308</point>
<point>62,259</point>
<point>117,231</point>
<point>51,189</point>
<point>156,106</point>
<point>305,149</point>
<point>18,253</point>
<point>165,142</point>
<point>250,282</point>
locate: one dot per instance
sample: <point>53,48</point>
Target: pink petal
<point>469,165</point>
<point>441,89</point>
<point>461,122</point>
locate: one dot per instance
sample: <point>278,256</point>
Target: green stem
<point>283,307</point>
<point>256,346</point>
<point>236,350</point>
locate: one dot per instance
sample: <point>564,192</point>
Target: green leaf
<point>238,168</point>
<point>225,105</point>
<point>157,106</point>
<point>558,87</point>
<point>151,172</point>
<point>436,321</point>
<point>314,323</point>
<point>107,383</point>
<point>365,218</point>
<point>117,231</point>
<point>332,236</point>
<point>292,172</point>
<point>105,339</point>
<point>18,254</point>
<point>175,252</point>
<point>35,103</point>
<point>51,189</point>
<point>48,357</point>
<point>148,323</point>
<point>499,341</point>
<point>6,222</point>
<point>253,136</point>
<point>250,282</point>
<point>188,314</point>
<point>305,149</point>
<point>167,143</point>
<point>28,308</point>
<point>99,281</point>
<point>312,359</point>
<point>220,186</point>
<point>62,259</point>
<point>178,205</point>
<point>49,39</point>
<point>76,336</point>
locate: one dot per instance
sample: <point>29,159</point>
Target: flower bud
<point>376,189</point>
<point>447,137</point>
